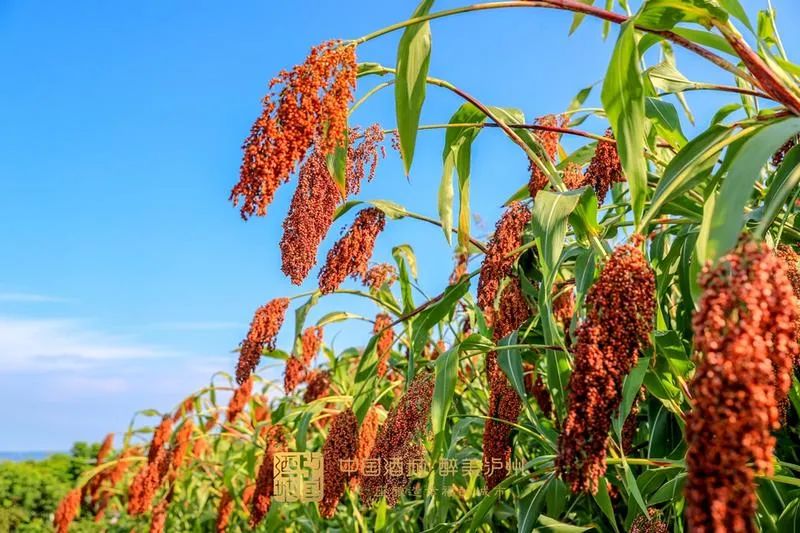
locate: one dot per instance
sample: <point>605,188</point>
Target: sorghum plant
<point>617,354</point>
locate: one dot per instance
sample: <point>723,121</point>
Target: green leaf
<point>336,316</point>
<point>630,390</point>
<point>706,38</point>
<point>337,166</point>
<point>786,179</point>
<point>665,14</point>
<point>582,95</point>
<point>551,524</point>
<point>391,209</point>
<point>578,17</point>
<point>457,156</point>
<point>405,252</point>
<point>365,383</point>
<point>790,517</point>
<point>413,60</point>
<point>727,218</point>
<point>671,491</point>
<point>530,506</point>
<point>632,487</point>
<point>665,118</point>
<point>436,312</point>
<point>623,98</point>
<point>445,386</point>
<point>603,500</point>
<point>511,363</point>
<point>690,166</point>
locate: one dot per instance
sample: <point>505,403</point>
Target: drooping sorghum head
<point>504,405</point>
<point>160,437</point>
<point>549,141</point>
<point>383,348</point>
<point>262,496</point>
<point>512,309</point>
<point>315,200</point>
<point>619,319</point>
<point>790,259</point>
<point>340,448</point>
<point>362,157</point>
<point>224,512</point>
<point>605,168</point>
<point>744,337</point>
<point>460,268</point>
<point>573,177</point>
<point>181,445</point>
<point>399,440</point>
<point>265,326</point>
<point>778,156</point>
<point>105,448</point>
<point>67,510</point>
<point>293,374</point>
<point>350,255</point>
<point>186,408</point>
<point>310,343</point>
<point>379,275</point>
<point>497,265</point>
<point>239,399</point>
<point>319,383</point>
<point>306,105</point>
<point>535,387</point>
<point>649,524</point>
<point>159,518</point>
<point>367,434</point>
<point>146,483</point>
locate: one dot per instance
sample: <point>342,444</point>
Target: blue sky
<point>126,276</point>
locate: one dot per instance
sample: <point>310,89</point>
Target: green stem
<point>576,6</point>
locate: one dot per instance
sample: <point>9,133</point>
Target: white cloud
<point>46,344</point>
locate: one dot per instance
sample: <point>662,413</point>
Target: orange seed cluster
<point>350,255</point>
<point>265,326</point>
<point>619,319</point>
<point>744,337</point>
<point>306,105</point>
<point>340,446</point>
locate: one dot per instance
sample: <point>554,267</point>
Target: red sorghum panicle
<point>460,269</point>
<point>563,305</point>
<point>379,275</point>
<point>512,309</point>
<point>399,439</point>
<point>105,448</point>
<point>293,374</point>
<point>181,446</point>
<point>777,158</point>
<point>159,518</point>
<point>319,384</point>
<point>362,156</point>
<point>224,512</point>
<point>497,265</point>
<point>339,458</point>
<point>307,105</point>
<point>262,496</point>
<point>744,338</point>
<point>239,399</point>
<point>534,386</point>
<point>265,326</point>
<point>199,447</point>
<point>383,348</point>
<point>310,217</point>
<point>315,200</point>
<point>350,255</point>
<point>619,319</point>
<point>160,438</point>
<point>573,177</point>
<point>649,524</point>
<point>504,404</point>
<point>549,141</point>
<point>605,168</point>
<point>367,434</point>
<point>186,408</point>
<point>790,259</point>
<point>146,483</point>
<point>67,510</point>
<point>310,343</point>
